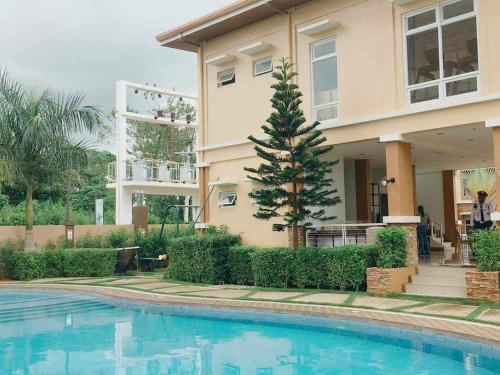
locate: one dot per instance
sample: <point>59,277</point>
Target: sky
<point>87,45</point>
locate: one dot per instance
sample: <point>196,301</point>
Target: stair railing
<point>436,230</point>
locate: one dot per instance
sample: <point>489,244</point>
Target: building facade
<point>406,90</point>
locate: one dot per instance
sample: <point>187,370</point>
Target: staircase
<point>438,282</point>
<point>437,241</point>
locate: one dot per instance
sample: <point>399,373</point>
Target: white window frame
<point>313,60</point>
<point>442,81</point>
<point>220,82</point>
<point>232,203</point>
<point>255,62</point>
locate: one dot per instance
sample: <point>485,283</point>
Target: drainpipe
<point>288,26</point>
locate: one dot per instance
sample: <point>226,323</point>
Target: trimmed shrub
<point>88,241</point>
<point>6,249</point>
<point>392,247</point>
<point>342,267</point>
<point>89,262</point>
<point>201,259</point>
<point>273,267</point>
<point>311,268</point>
<point>118,238</point>
<point>487,250</point>
<point>58,263</point>
<point>347,266</point>
<point>239,264</point>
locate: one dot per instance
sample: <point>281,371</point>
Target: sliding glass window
<point>441,51</point>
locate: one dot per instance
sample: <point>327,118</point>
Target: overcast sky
<point>87,45</point>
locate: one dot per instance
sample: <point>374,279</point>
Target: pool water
<point>43,332</point>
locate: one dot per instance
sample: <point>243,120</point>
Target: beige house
<point>408,91</point>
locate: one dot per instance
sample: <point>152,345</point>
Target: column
<point>122,216</point>
<point>186,209</point>
<point>401,192</point>
<point>363,192</point>
<point>495,128</point>
<point>450,206</point>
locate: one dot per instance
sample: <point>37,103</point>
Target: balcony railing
<point>343,234</point>
<point>153,170</point>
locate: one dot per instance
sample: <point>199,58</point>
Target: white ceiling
<point>469,146</point>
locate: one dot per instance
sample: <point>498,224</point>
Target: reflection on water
<point>76,336</point>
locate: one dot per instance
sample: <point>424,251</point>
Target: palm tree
<point>37,138</point>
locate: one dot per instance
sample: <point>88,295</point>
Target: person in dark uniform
<point>481,212</point>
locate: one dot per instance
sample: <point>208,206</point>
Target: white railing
<point>436,229</point>
<point>342,234</point>
<point>154,170</point>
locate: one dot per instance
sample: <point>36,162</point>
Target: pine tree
<point>295,182</point>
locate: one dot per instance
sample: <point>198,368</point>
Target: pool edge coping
<point>481,332</point>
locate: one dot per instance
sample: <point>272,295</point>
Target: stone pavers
<point>90,280</point>
<point>57,279</point>
<point>490,315</point>
<point>460,311</point>
<point>133,280</point>
<point>184,288</point>
<point>334,298</point>
<point>274,295</point>
<point>152,286</point>
<point>221,293</point>
<point>382,303</point>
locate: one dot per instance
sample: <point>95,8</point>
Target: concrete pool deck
<point>480,322</point>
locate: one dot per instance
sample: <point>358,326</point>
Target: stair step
<point>442,271</point>
<point>54,312</point>
<point>436,291</point>
<point>438,280</point>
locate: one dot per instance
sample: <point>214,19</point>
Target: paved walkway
<point>455,309</point>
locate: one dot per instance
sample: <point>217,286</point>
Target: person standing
<point>423,233</point>
<point>481,212</point>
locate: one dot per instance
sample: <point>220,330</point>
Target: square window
<point>263,66</point>
<point>460,87</point>
<point>422,19</point>
<point>324,48</point>
<point>227,199</point>
<point>424,94</point>
<point>458,8</point>
<point>226,77</point>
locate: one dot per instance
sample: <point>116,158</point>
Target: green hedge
<point>342,267</point>
<point>487,250</point>
<point>392,246</point>
<point>24,265</point>
<point>273,267</point>
<point>201,259</point>
<point>239,264</point>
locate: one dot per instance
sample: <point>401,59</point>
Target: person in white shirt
<point>481,212</point>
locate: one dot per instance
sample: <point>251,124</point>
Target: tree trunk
<point>29,239</point>
<point>296,236</point>
<point>67,211</point>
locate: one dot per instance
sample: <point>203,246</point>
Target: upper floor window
<point>325,79</point>
<point>263,66</point>
<point>441,48</point>
<point>226,77</point>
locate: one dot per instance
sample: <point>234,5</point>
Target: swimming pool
<point>49,332</point>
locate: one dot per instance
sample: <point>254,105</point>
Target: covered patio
<point>382,181</point>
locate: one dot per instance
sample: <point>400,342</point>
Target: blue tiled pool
<point>44,332</point>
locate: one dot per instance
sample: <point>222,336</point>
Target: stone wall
<point>388,280</point>
<point>483,286</point>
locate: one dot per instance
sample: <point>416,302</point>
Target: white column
<point>186,209</point>
<point>121,214</point>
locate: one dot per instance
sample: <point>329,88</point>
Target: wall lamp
<point>391,180</point>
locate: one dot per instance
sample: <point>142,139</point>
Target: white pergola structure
<point>129,175</point>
